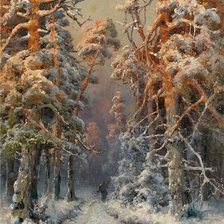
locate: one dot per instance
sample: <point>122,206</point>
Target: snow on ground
<point>4,212</point>
<point>61,209</point>
<point>213,213</point>
<point>94,211</point>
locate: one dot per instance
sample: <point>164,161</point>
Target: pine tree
<point>40,83</point>
<point>182,57</point>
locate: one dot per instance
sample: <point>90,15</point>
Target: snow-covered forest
<point>122,125</point>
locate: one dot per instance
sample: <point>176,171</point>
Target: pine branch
<point>43,13</point>
<point>12,34</point>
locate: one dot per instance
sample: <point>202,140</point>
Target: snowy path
<point>93,212</point>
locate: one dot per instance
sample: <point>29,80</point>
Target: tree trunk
<point>22,188</point>
<point>175,148</point>
<point>22,198</point>
<point>34,25</point>
<point>177,178</point>
<point>49,184</point>
<point>71,191</point>
<point>34,171</point>
<point>57,174</point>
<point>2,176</point>
<point>10,177</point>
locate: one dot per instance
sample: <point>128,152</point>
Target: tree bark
<point>34,171</point>
<point>22,198</point>
<point>177,178</point>
<point>175,148</point>
<point>49,184</point>
<point>71,187</point>
<point>34,25</point>
<point>2,176</point>
<point>57,174</point>
<point>10,177</point>
<point>22,188</point>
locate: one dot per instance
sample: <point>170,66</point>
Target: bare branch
<point>146,117</point>
<point>91,149</point>
<point>23,15</point>
<point>73,154</point>
<point>43,13</point>
<point>153,136</point>
<point>206,180</point>
<point>73,17</point>
<point>217,116</point>
<point>192,168</point>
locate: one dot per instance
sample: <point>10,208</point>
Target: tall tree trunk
<point>49,174</point>
<point>34,170</point>
<point>34,25</point>
<point>2,176</point>
<point>22,188</point>
<point>22,198</point>
<point>57,158</point>
<point>177,185</point>
<point>57,174</point>
<point>177,177</point>
<point>10,177</point>
<point>71,187</point>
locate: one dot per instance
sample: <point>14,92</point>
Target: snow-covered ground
<point>4,212</point>
<point>213,213</point>
<point>94,211</point>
